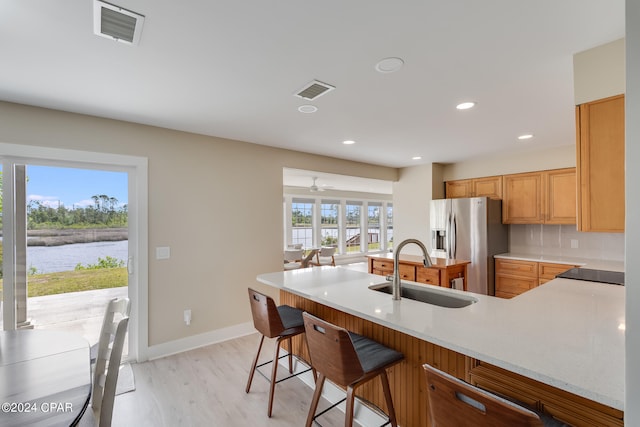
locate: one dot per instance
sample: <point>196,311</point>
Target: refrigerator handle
<point>453,239</point>
<point>447,232</point>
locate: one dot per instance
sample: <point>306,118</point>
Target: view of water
<point>49,259</point>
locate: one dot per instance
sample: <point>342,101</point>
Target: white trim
<point>9,311</point>
<point>137,168</point>
<point>200,340</point>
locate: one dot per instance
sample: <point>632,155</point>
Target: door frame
<point>138,262</point>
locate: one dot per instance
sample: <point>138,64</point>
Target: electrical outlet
<point>574,243</point>
<point>187,316</point>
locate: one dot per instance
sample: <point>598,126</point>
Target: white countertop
<point>565,333</point>
<point>597,264</point>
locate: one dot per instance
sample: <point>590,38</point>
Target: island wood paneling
<point>406,378</point>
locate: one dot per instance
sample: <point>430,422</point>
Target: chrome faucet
<point>396,290</point>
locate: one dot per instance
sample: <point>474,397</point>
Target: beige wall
<point>412,194</point>
<point>513,162</point>
<point>216,203</point>
<point>599,72</point>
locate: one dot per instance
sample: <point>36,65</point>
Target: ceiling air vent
<point>314,89</point>
<point>116,23</point>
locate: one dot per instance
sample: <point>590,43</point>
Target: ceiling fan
<point>314,187</point>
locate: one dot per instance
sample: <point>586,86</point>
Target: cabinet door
<point>548,271</point>
<point>490,186</point>
<point>561,196</point>
<point>600,160</point>
<point>523,199</point>
<point>514,277</point>
<point>458,188</point>
<point>511,286</point>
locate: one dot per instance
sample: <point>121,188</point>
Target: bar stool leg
<point>274,372</point>
<point>290,357</point>
<point>387,398</point>
<point>255,363</point>
<point>348,412</point>
<point>316,399</point>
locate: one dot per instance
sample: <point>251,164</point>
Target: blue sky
<point>73,187</point>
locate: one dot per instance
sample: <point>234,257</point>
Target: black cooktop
<point>601,276</point>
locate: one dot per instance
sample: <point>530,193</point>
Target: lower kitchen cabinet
<point>514,277</point>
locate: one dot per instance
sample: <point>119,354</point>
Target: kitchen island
<point>563,340</point>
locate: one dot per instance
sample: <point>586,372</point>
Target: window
<point>352,226</point>
<point>389,226</point>
<point>302,222</point>
<point>329,223</point>
<point>373,226</point>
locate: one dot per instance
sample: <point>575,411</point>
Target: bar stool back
<point>349,360</point>
<point>454,403</point>
<point>280,322</point>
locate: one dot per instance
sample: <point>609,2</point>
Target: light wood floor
<point>206,387</point>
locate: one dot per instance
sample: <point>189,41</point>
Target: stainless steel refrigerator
<point>470,229</point>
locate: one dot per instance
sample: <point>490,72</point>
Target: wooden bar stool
<point>281,322</point>
<point>349,360</point>
<point>455,403</point>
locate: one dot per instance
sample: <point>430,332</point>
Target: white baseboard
<point>200,340</point>
<point>362,414</point>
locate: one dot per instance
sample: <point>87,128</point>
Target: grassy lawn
<point>74,281</point>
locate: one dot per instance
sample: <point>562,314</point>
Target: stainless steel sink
<point>427,294</point>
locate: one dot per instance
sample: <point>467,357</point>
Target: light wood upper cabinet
<point>600,161</point>
<point>545,197</point>
<point>523,201</point>
<point>490,186</point>
<point>561,193</point>
<point>458,188</point>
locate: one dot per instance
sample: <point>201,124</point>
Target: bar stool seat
<point>349,360</point>
<point>280,322</point>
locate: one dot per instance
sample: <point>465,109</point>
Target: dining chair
<point>349,360</point>
<point>325,256</point>
<point>107,366</point>
<point>293,259</point>
<point>455,403</point>
<point>281,322</point>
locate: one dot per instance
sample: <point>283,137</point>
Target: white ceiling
<point>230,68</point>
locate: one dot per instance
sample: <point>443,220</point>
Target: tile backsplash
<point>565,240</point>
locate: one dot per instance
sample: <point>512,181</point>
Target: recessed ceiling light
<point>307,109</point>
<point>348,142</point>
<point>465,105</point>
<point>416,158</point>
<point>389,65</point>
<point>525,136</point>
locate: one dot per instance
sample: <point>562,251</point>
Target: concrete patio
<point>77,312</point>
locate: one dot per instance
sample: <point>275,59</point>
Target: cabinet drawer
<point>430,276</point>
<point>383,265</point>
<point>407,272</point>
<point>517,268</point>
<point>549,271</point>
